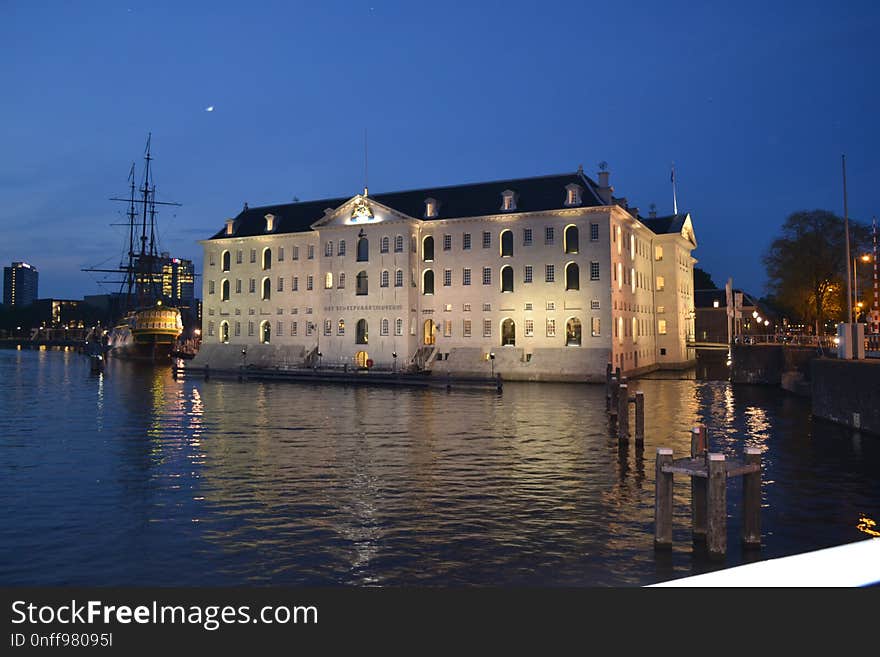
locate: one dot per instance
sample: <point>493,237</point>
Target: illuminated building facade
<point>20,283</point>
<point>546,278</point>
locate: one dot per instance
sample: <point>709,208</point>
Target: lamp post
<point>394,366</point>
<point>856,303</point>
<point>492,361</point>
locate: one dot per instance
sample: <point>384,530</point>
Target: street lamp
<point>865,258</point>
<point>492,361</point>
<point>394,356</point>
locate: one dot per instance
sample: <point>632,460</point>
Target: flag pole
<point>849,301</point>
<point>674,200</point>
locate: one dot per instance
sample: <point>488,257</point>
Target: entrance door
<point>508,333</point>
<point>360,358</point>
<point>430,332</point>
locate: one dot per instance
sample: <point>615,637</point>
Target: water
<point>133,478</point>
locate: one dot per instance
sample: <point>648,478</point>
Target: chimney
<point>605,190</point>
<point>653,212</point>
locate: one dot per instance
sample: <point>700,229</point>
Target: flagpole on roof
<point>674,199</point>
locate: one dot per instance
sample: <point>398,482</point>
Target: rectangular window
<point>237,329</point>
<point>661,283</point>
<point>487,328</point>
<point>447,242</point>
<point>466,307</point>
<point>487,239</point>
<point>238,286</point>
<point>310,283</point>
<point>280,255</point>
<point>661,326</point>
<point>210,328</point>
<point>252,286</point>
<point>466,328</point>
<point>295,254</point>
<point>466,241</point>
<point>549,273</point>
<point>340,327</point>
<point>658,252</point>
<point>527,236</point>
<point>529,328</point>
<point>328,327</point>
<point>596,327</point>
<point>310,328</point>
<point>295,287</point>
<point>311,252</point>
<point>447,277</point>
<point>594,271</point>
<point>238,257</point>
<point>340,250</point>
<point>250,328</point>
<point>447,308</point>
<point>398,327</point>
<point>528,306</point>
<point>661,310</point>
<point>551,305</point>
<point>447,328</point>
<point>328,249</point>
<point>487,307</point>
<point>211,260</point>
<point>548,235</point>
<point>487,276</point>
<point>210,287</point>
<point>253,255</point>
<point>551,328</point>
<point>279,328</point>
<point>594,304</point>
<point>293,328</point>
<point>466,276</point>
<point>594,232</point>
<point>527,276</point>
<point>280,284</point>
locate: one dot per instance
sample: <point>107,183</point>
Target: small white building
<point>546,278</point>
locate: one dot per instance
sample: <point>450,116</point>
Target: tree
<point>806,265</point>
<point>703,280</point>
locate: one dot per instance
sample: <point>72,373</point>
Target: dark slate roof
<point>704,298</point>
<point>472,200</point>
<point>670,224</point>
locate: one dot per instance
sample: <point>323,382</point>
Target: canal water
<point>133,478</point>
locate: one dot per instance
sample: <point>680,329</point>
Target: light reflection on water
<point>131,477</point>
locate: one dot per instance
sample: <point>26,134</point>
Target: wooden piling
<point>614,392</point>
<point>207,372</point>
<point>608,387</point>
<point>663,501</point>
<point>623,413</point>
<point>699,449</point>
<point>751,525</point>
<point>716,525</point>
<point>640,418</point>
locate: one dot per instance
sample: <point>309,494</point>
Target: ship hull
<point>148,335</point>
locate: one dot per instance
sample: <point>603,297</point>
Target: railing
<point>824,341</point>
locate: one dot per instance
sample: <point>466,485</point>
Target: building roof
<point>706,298</point>
<point>471,200</point>
<point>672,223</point>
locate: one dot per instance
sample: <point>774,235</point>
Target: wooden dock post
<point>663,500</point>
<point>699,449</point>
<point>716,526</point>
<point>615,382</point>
<point>640,419</point>
<point>207,372</point>
<point>623,413</point>
<point>608,387</point>
<point>751,525</point>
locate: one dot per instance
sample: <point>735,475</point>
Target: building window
<point>237,329</point>
<point>294,254</point>
<point>661,283</point>
<point>281,284</point>
<point>210,287</point>
<point>295,284</point>
<point>447,328</point>
<point>527,236</point>
<point>508,333</point>
<point>266,332</point>
<point>573,332</point>
<point>551,328</point>
<point>210,328</point>
<point>238,257</point>
<point>361,332</point>
<point>508,200</point>
<point>253,256</point>
<point>280,255</point>
<point>398,244</point>
<point>398,278</point>
<point>293,328</point>
<point>507,243</point>
<point>412,243</point>
<point>363,249</point>
<point>466,276</point>
<point>572,276</point>
<point>383,327</point>
<point>573,194</point>
<point>595,327</point>
<point>632,279</point>
<point>594,271</point>
<point>466,307</point>
<point>225,261</point>
<point>487,276</point>
<point>384,278</point>
<point>549,235</point>
<point>658,252</point>
<point>384,244</point>
<point>340,249</point>
<point>487,328</point>
<point>310,282</point>
<point>267,259</point>
<point>328,249</point>
<point>529,329</point>
<point>466,328</point>
<point>311,252</point>
<point>661,326</point>
<point>506,279</point>
<point>447,242</point>
<point>487,239</point>
<point>430,208</point>
<point>340,281</point>
<point>618,239</point>
<point>571,238</point>
<point>447,277</point>
<point>594,304</point>
<point>550,305</point>
<point>238,286</point>
<point>361,283</point>
<point>224,331</point>
<point>594,232</point>
<point>528,274</point>
<point>267,289</point>
<point>428,249</point>
<point>619,275</point>
<point>549,273</point>
<point>328,327</point>
<point>466,241</point>
<point>398,327</point>
<point>252,286</point>
<point>487,307</point>
<point>428,282</point>
<point>328,281</point>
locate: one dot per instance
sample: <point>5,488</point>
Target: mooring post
<point>751,524</point>
<point>614,392</point>
<point>207,372</point>
<point>640,419</point>
<point>716,526</point>
<point>608,387</point>
<point>623,413</point>
<point>699,449</point>
<point>663,501</point>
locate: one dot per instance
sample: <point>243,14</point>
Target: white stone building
<point>546,278</point>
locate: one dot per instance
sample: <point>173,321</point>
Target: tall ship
<point>147,328</point>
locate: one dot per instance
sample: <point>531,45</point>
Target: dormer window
<point>270,223</point>
<point>573,194</point>
<point>230,226</point>
<point>508,200</point>
<point>431,208</point>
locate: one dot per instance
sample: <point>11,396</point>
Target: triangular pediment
<point>687,230</point>
<point>360,210</point>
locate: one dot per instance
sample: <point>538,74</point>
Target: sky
<point>754,102</point>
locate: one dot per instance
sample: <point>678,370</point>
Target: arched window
<point>267,289</point>
<point>267,259</point>
<point>224,331</point>
<point>340,327</point>
<point>428,249</point>
<point>398,244</point>
<point>398,278</point>
<point>507,243</point>
<point>362,285</point>
<point>341,281</point>
<point>508,332</point>
<point>398,326</point>
<point>224,288</point>
<point>384,278</point>
<point>507,278</point>
<point>571,239</point>
<point>328,280</point>
<point>428,282</point>
<point>572,276</point>
<point>363,254</point>
<point>384,327</point>
<point>266,332</point>
<point>340,250</point>
<point>226,259</point>
<point>573,332</point>
<point>328,249</point>
<point>361,332</point>
<point>383,245</point>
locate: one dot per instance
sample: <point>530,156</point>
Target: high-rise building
<point>20,284</point>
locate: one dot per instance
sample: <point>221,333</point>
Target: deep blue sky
<point>754,102</point>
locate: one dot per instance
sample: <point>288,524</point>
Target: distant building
<point>20,284</point>
<point>174,281</point>
<point>710,307</point>
<point>59,313</point>
<point>546,278</point>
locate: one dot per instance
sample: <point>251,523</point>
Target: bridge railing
<point>824,341</point>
